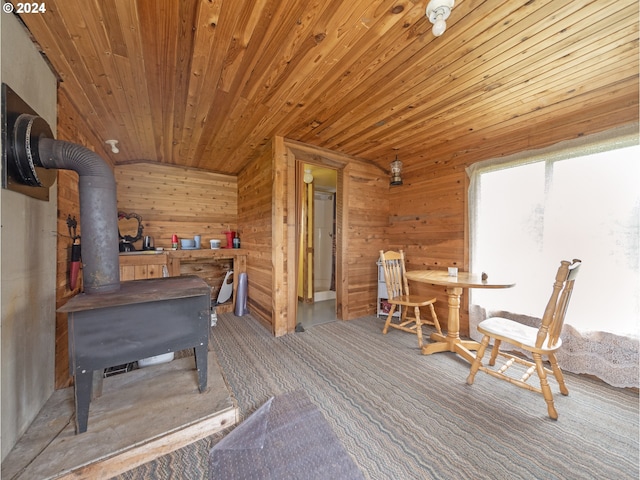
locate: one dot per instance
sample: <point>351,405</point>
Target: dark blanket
<point>286,438</point>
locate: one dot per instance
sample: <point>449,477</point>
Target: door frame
<point>298,154</point>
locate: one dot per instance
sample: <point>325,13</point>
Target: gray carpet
<point>402,415</point>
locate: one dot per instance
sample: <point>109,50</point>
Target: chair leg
<point>389,317</point>
<point>416,312</point>
<point>478,361</point>
<point>558,374</point>
<point>494,352</point>
<point>435,318</point>
<point>544,386</point>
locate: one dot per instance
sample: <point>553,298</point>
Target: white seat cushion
<point>518,332</point>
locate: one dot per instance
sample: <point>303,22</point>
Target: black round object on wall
<point>25,162</point>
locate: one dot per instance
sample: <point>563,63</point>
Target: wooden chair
<point>544,340</point>
<point>398,292</point>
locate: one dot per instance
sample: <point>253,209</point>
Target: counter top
<point>193,253</point>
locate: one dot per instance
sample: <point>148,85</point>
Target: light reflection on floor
<point>310,314</point>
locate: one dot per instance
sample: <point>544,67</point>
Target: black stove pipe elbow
<point>98,211</point>
<point>98,204</point>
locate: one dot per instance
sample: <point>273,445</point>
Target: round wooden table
<point>454,285</point>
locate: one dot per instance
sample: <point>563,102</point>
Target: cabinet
<point>210,265</point>
<point>382,306</point>
<point>143,265</point>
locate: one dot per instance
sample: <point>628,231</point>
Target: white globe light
<point>439,27</point>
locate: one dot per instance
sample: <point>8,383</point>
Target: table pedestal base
<point>452,342</point>
<point>444,343</point>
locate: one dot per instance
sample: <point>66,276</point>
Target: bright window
<point>530,212</point>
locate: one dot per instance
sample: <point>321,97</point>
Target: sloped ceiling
<point>205,83</point>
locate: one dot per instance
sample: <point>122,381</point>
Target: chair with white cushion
<point>544,340</point>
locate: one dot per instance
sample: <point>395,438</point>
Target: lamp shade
<point>396,172</point>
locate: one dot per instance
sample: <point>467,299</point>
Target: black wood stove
<point>142,319</point>
<point>111,323</point>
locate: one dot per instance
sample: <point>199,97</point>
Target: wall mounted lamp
<point>308,177</point>
<point>112,144</point>
<point>437,12</point>
<point>396,172</point>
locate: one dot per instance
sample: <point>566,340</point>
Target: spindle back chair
<point>544,340</point>
<point>399,297</point>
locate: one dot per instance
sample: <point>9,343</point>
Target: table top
<point>462,280</point>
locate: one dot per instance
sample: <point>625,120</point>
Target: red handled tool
<point>74,264</point>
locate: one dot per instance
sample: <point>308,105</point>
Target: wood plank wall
<point>366,216</point>
<point>264,198</point>
<point>184,201</point>
<point>428,214</point>
<point>255,190</point>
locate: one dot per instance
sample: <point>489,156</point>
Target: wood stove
<point>111,323</point>
<point>142,319</point>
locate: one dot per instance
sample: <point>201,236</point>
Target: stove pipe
<point>98,205</point>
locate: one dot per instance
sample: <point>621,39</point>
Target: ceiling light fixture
<point>396,172</point>
<point>437,12</point>
<point>112,143</point>
<point>308,177</point>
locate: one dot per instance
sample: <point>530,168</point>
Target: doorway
<point>317,246</point>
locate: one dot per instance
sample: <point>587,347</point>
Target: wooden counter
<point>210,265</point>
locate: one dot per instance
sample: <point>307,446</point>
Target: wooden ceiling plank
<point>53,38</point>
<point>160,24</point>
<point>520,137</point>
<point>258,57</point>
<point>490,100</point>
<point>267,124</point>
<point>359,77</point>
<point>418,65</point>
<point>538,118</point>
<point>472,71</point>
<point>89,35</point>
<point>481,90</point>
<point>212,40</point>
<point>132,75</point>
<point>513,103</point>
<point>231,110</point>
<point>448,101</point>
<point>496,127</point>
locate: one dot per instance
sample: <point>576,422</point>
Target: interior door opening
<point>317,246</point>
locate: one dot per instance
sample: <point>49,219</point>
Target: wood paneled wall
<point>266,216</point>
<point>366,215</point>
<point>184,201</point>
<point>255,192</point>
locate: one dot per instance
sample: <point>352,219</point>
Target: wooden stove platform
<point>141,415</point>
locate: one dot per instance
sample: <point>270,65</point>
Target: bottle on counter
<point>236,241</point>
<point>174,241</point>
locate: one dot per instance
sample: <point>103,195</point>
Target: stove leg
<point>201,365</point>
<point>83,384</point>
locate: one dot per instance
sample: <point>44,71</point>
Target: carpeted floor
<point>402,415</point>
